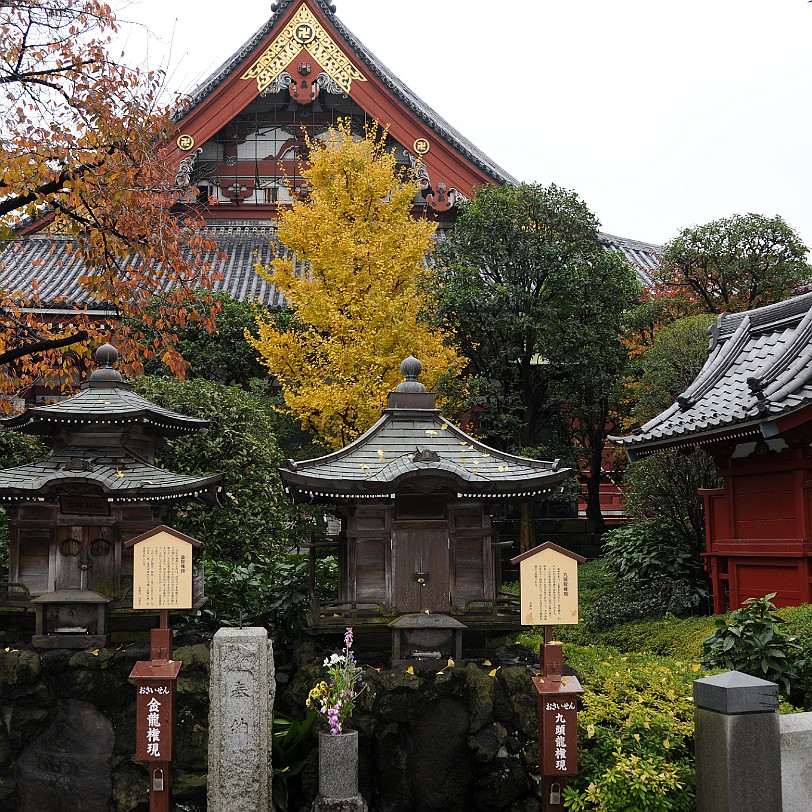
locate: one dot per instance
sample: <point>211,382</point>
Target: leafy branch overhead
<point>82,161</point>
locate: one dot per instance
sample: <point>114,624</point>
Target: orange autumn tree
<point>350,265</point>
<point>79,136</point>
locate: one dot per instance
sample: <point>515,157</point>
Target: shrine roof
<point>758,372</point>
<point>112,470</point>
<point>107,401</point>
<point>406,96</point>
<point>413,443</point>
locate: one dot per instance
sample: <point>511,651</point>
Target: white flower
<point>333,659</point>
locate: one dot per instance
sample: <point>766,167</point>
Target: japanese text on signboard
<point>162,574</point>
<point>153,724</point>
<point>560,731</point>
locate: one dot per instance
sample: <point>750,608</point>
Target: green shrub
<point>649,549</point>
<point>632,598</point>
<point>799,624</point>
<point>15,449</point>
<point>255,519</point>
<point>755,640</point>
<point>656,573</point>
<point>635,733</point>
<point>269,591</point>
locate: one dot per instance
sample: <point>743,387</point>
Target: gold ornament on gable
<point>304,30</point>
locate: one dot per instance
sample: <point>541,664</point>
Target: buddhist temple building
<point>750,408</point>
<point>415,496</point>
<point>70,514</point>
<point>240,140</point>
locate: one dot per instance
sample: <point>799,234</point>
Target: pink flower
<point>348,638</point>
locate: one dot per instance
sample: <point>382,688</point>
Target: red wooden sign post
<point>162,580</point>
<point>549,595</point>
<point>155,681</point>
<point>558,726</point>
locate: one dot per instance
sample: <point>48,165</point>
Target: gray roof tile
<point>386,456</point>
<point>759,368</point>
<point>113,470</point>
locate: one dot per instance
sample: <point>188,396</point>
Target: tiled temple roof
<point>112,470</point>
<point>90,433</point>
<point>106,400</point>
<point>759,369</point>
<point>54,263</point>
<point>413,443</point>
<point>406,96</point>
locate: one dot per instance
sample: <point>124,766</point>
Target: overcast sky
<point>659,114</point>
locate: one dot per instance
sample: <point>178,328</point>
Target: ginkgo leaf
<point>410,669</point>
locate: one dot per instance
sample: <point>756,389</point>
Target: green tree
<point>538,305</point>
<point>223,355</point>
<point>666,368</point>
<point>733,264</point>
<point>255,518</point>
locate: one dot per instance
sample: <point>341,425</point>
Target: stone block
<point>738,762</point>
<point>241,693</point>
<point>796,761</point>
<point>734,692</point>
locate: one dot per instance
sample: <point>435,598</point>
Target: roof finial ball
<point>106,357</point>
<point>411,369</point>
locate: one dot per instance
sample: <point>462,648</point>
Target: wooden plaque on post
<point>162,569</point>
<point>548,576</point>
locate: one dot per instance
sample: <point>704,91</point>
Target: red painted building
<point>750,408</point>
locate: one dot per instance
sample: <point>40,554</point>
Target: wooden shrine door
<point>86,558</point>
<point>420,556</point>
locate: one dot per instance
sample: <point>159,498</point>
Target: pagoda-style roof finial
<point>411,369</point>
<point>106,357</point>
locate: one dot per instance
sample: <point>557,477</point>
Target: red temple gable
<point>242,136</point>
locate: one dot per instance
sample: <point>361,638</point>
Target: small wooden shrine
<point>750,408</point>
<point>415,495</point>
<point>70,514</point>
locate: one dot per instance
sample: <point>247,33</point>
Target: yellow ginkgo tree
<point>350,262</point>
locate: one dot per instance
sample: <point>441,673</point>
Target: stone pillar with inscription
<point>241,697</point>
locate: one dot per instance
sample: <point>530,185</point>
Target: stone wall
<point>455,741</point>
<point>67,730</point>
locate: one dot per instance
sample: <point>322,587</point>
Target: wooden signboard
<point>162,569</point>
<point>155,710</point>
<point>559,727</point>
<point>548,577</point>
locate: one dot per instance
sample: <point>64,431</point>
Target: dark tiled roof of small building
<point>414,443</point>
<point>107,403</point>
<point>112,470</point>
<point>759,368</point>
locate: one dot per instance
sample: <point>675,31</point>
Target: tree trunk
<point>593,489</point>
<point>527,529</point>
